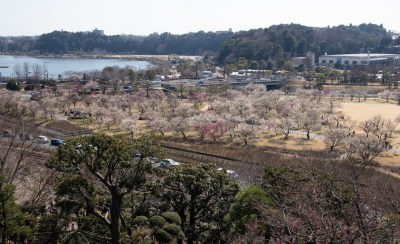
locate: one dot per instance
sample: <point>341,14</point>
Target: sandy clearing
<point>361,111</point>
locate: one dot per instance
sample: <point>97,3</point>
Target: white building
<point>359,59</point>
<point>206,74</point>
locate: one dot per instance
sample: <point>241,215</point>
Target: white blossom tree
<point>287,115</point>
<point>364,150</point>
<point>310,120</point>
<point>160,125</point>
<point>129,124</point>
<point>335,137</point>
<point>246,132</point>
<point>199,123</point>
<point>180,124</point>
<point>386,94</point>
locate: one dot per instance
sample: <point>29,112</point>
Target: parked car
<point>127,89</point>
<point>42,139</point>
<point>168,163</point>
<point>96,90</point>
<point>231,173</point>
<point>56,142</point>
<point>152,160</point>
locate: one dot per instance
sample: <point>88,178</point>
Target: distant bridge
<point>271,84</point>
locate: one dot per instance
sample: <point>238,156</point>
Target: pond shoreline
<point>61,64</point>
<point>153,59</point>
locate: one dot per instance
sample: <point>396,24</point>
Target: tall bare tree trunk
<point>116,205</point>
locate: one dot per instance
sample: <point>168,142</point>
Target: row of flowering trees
<point>225,113</point>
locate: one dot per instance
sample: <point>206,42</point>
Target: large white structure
<point>359,59</point>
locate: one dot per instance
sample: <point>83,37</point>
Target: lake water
<point>58,66</point>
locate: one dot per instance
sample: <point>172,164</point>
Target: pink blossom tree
<point>215,129</point>
<point>199,123</point>
<point>198,98</point>
<point>90,86</point>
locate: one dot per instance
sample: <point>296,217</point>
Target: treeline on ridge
<point>273,43</point>
<point>62,42</point>
<point>286,41</point>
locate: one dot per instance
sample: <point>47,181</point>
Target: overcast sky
<point>142,17</point>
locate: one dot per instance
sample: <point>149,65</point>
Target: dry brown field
<point>361,111</point>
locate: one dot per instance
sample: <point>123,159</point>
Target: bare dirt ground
<point>361,111</point>
<point>63,126</point>
<point>295,142</point>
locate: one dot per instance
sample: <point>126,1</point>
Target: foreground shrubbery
<point>102,191</point>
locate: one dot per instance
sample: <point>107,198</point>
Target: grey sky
<point>142,17</point>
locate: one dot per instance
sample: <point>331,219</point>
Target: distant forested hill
<point>286,41</point>
<point>273,43</point>
<point>62,42</point>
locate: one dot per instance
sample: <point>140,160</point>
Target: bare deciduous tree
<point>37,72</point>
<point>18,71</point>
<point>335,137</point>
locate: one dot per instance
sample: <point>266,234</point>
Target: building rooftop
<point>363,55</point>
